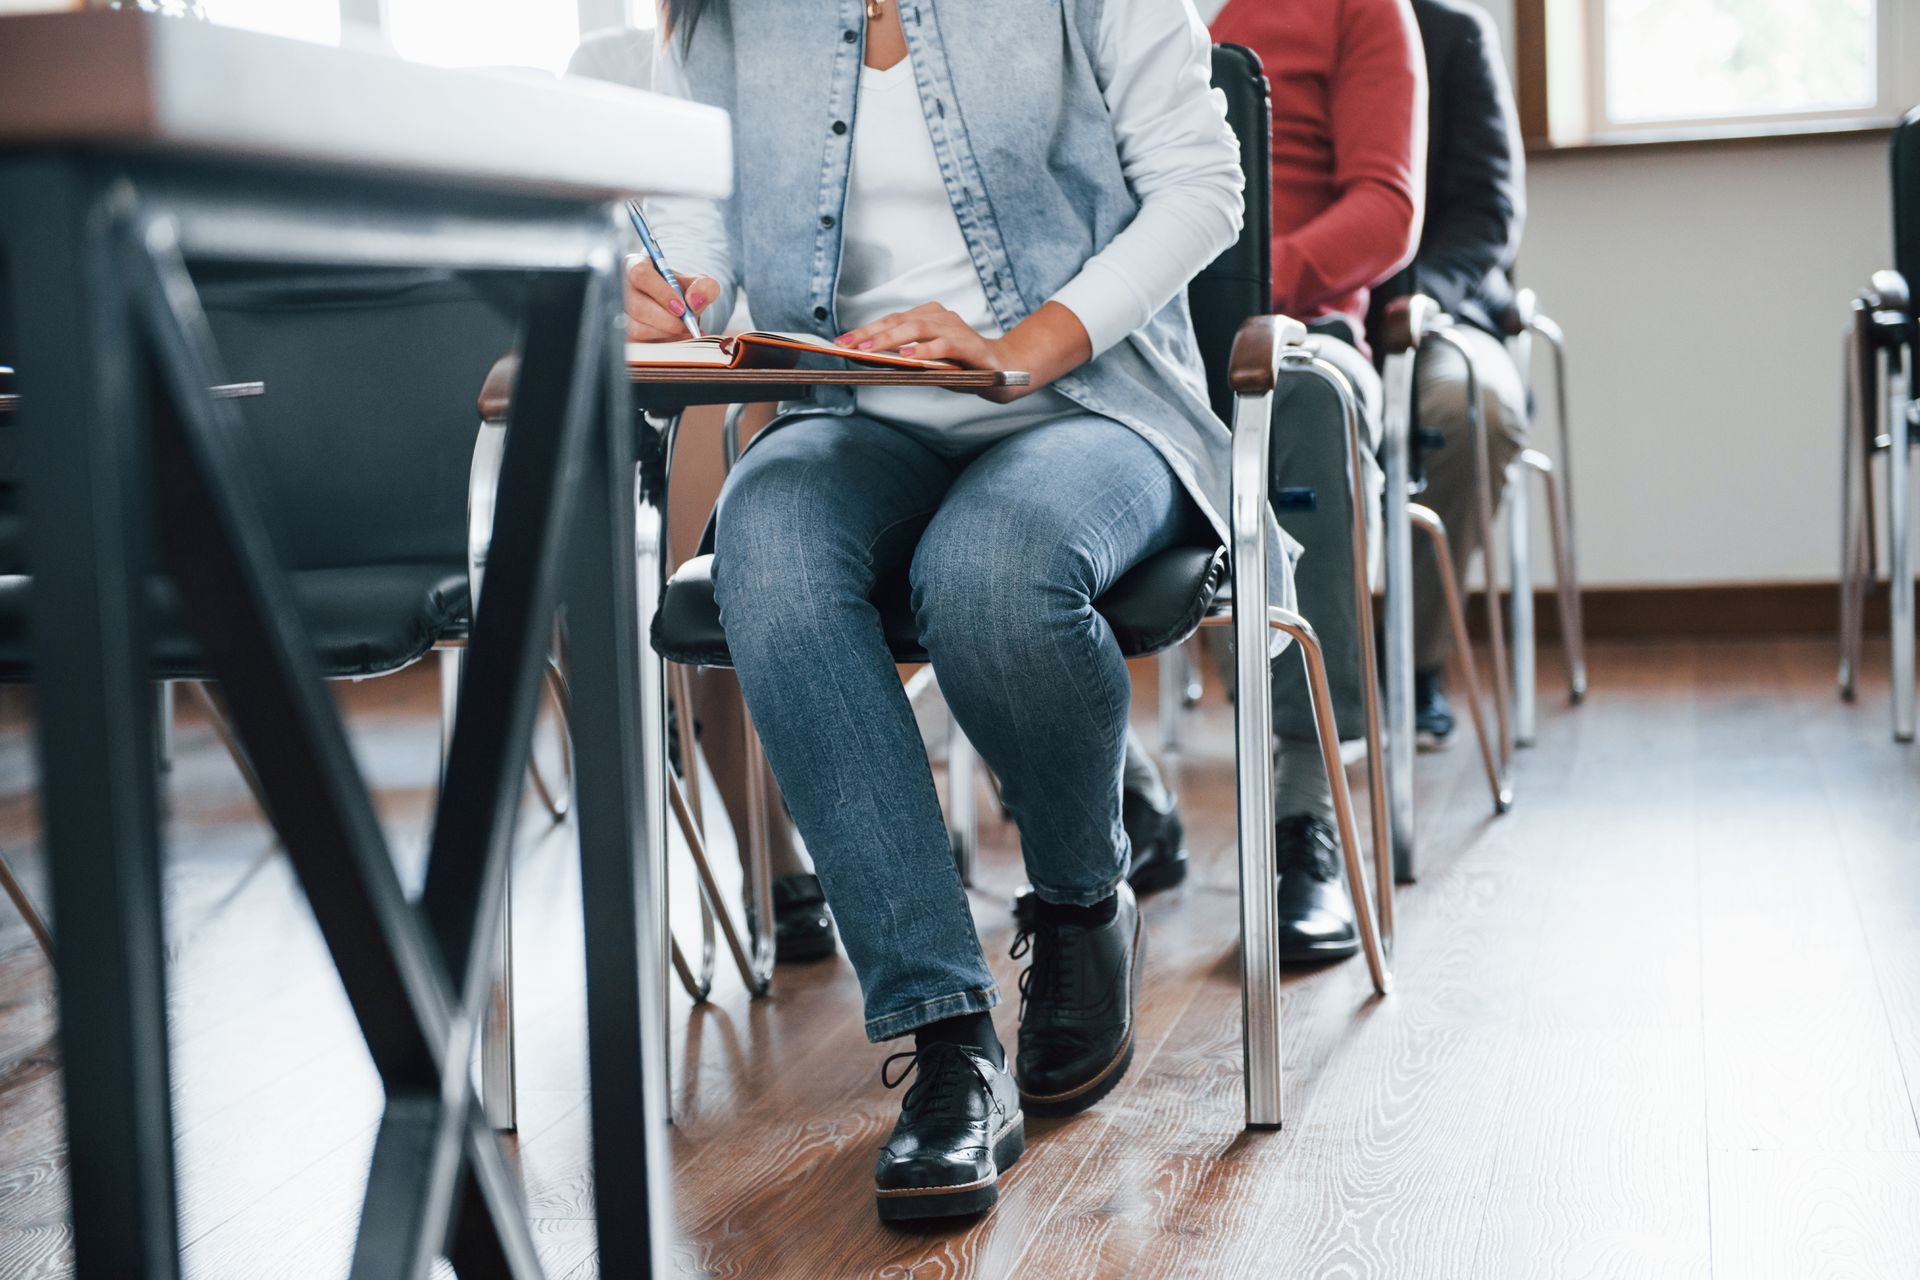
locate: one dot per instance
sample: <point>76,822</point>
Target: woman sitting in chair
<point>1003,185</point>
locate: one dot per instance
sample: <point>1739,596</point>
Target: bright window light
<point>1706,59</point>
<point>485,33</point>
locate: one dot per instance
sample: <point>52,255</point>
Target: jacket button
<point>819,313</point>
<point>839,126</point>
<point>850,37</point>
<point>826,220</point>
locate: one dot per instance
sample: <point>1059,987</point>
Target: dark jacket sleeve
<point>1476,200</point>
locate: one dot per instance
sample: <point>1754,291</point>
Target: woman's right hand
<point>653,313</point>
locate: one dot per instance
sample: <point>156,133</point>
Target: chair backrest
<point>364,437</point>
<point>1238,283</point>
<point>1906,199</point>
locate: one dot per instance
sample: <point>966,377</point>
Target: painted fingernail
<point>866,344</point>
<point>696,300</point>
<point>907,350</point>
<point>674,306</point>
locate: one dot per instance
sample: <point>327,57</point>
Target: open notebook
<point>762,350</point>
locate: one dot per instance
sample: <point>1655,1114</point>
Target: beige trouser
<point>1440,383</point>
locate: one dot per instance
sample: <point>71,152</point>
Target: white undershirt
<point>1181,161</point>
<point>901,246</point>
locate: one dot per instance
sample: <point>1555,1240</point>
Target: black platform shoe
<point>1159,841</point>
<point>802,926</point>
<point>1076,1008</point>
<point>1432,714</point>
<point>1316,916</point>
<point>960,1128</point>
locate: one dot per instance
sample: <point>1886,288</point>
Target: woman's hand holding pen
<point>1048,344</point>
<point>653,313</point>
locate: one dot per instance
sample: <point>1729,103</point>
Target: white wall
<point>1704,291</point>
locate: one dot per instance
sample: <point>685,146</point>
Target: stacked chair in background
<point>1879,419</point>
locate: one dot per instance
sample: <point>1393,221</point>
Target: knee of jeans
<point>773,551</point>
<point>981,595</point>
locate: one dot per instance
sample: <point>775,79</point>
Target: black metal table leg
<point>135,468</point>
<point>84,419</point>
<point>620,767</point>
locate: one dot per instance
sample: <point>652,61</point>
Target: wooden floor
<point>1661,1020</point>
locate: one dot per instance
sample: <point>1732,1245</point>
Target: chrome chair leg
<point>1854,526</point>
<point>1900,584</point>
<point>1398,608</point>
<point>1518,518</point>
<point>1371,935</point>
<point>649,569</point>
<point>963,820</point>
<point>1560,538</point>
<point>693,826</point>
<point>1483,480</point>
<point>759,974</point>
<point>556,796</point>
<point>497,1090</point>
<point>1253,756</point>
<point>1193,687</point>
<point>1428,522</point>
<point>1171,666</point>
<point>748,963</point>
<point>498,1094</point>
<point>1569,581</point>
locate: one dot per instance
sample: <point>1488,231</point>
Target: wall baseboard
<point>1723,609</point>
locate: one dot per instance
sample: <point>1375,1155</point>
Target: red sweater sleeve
<point>1377,101</point>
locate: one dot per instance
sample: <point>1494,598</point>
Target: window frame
<point>1603,123</point>
<point>1560,55</point>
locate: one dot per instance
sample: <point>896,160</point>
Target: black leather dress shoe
<point>1159,841</point>
<point>802,926</point>
<point>960,1128</point>
<point>1432,713</point>
<point>1076,1008</point>
<point>1316,916</point>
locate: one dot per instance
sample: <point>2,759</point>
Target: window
<point>485,33</point>
<point>1617,70</point>
<point>1668,61</point>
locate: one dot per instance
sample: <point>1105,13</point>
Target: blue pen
<point>660,265</point>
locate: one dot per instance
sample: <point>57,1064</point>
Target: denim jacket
<point>1028,155</point>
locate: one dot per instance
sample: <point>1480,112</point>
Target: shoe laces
<point>939,1071</point>
<point>1048,977</point>
<point>1304,843</point>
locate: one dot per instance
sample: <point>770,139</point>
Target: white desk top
<point>107,78</point>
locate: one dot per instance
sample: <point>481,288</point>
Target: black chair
<point>1163,600</point>
<point>356,411</point>
<point>1880,416</point>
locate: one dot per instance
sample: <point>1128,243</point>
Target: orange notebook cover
<point>762,350</point>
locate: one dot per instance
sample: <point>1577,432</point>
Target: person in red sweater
<point>1349,164</point>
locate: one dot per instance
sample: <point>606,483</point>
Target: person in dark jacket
<point>1475,207</point>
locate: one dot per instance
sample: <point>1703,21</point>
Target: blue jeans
<point>1005,550</point>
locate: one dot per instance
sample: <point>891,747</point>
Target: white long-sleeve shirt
<point>902,245</point>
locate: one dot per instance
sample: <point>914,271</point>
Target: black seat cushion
<point>363,620</point>
<point>1155,605</point>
